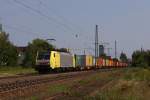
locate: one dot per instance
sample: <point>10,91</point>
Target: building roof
<point>21,49</point>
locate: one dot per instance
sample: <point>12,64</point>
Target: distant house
<point>21,54</point>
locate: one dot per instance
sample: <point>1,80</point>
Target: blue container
<point>80,61</point>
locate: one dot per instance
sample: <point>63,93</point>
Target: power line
<point>65,27</point>
<point>43,15</point>
<point>115,49</point>
<point>61,17</point>
<point>46,16</point>
<point>19,29</point>
<point>96,44</point>
<point>71,25</point>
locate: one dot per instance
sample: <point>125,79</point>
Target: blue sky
<point>72,22</point>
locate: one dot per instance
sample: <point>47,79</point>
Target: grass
<point>33,98</point>
<point>130,84</point>
<point>123,92</point>
<point>134,85</point>
<point>58,88</point>
<point>8,71</point>
<point>78,88</point>
<point>114,94</point>
<point>141,74</point>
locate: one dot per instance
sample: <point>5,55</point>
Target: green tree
<point>63,50</point>
<point>37,45</point>
<point>115,59</point>
<point>103,55</point>
<point>148,57</point>
<point>8,52</point>
<point>123,57</point>
<point>140,58</point>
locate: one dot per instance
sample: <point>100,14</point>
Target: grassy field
<point>129,84</point>
<point>9,71</point>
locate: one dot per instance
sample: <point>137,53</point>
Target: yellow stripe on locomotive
<point>55,59</point>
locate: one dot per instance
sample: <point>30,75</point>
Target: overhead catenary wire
<point>64,26</point>
<point>48,17</point>
<point>78,30</point>
<point>59,24</point>
<point>19,29</point>
<point>72,25</point>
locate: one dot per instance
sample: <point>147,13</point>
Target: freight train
<point>54,60</point>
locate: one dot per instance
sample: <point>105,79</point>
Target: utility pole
<point>141,48</point>
<point>115,49</point>
<point>96,44</point>
<point>1,29</point>
<point>84,51</point>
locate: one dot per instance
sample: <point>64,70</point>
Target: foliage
<point>123,57</point>
<point>57,88</point>
<point>141,58</point>
<point>9,70</point>
<point>103,55</point>
<point>63,50</point>
<point>37,45</point>
<point>8,52</point>
<point>141,74</point>
<point>115,59</point>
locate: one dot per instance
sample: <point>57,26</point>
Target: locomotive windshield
<point>43,56</point>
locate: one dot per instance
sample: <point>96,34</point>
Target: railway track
<point>18,76</point>
<point>11,84</point>
<point>14,84</point>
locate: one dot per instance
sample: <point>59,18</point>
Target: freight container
<point>113,63</point>
<point>121,64</point>
<point>79,61</point>
<point>100,62</point>
<point>74,61</point>
<point>126,65</point>
<point>94,62</point>
<point>84,61</point>
<point>88,61</point>
<point>107,62</point>
<point>110,63</point>
<point>117,64</point>
<point>104,63</point>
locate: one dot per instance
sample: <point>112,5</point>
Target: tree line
<point>141,58</point>
<point>9,55</point>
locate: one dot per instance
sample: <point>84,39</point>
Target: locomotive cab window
<point>43,56</point>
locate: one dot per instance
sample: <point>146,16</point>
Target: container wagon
<point>84,61</point>
<point>100,62</point>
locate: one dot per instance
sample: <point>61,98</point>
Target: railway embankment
<point>115,84</point>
